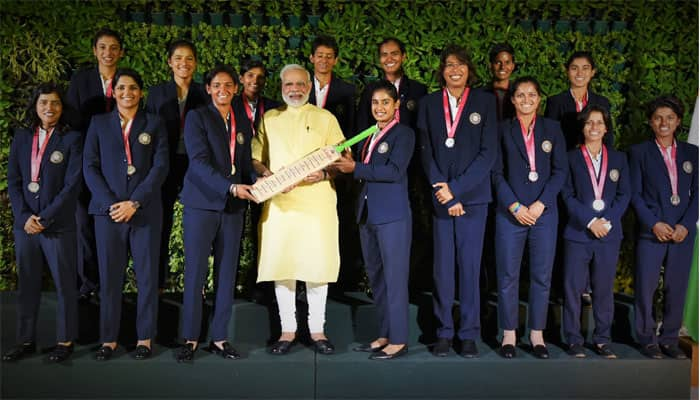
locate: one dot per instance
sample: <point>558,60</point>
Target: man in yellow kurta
<point>298,228</point>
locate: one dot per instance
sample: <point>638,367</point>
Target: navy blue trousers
<point>205,230</point>
<point>386,249</point>
<point>676,259</point>
<point>458,243</point>
<point>115,242</point>
<point>33,252</point>
<point>600,258</point>
<point>541,240</point>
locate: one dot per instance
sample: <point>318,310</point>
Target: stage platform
<point>345,375</point>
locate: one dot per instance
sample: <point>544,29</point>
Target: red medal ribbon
<point>108,94</point>
<point>126,130</point>
<point>670,165</point>
<point>598,185</point>
<point>367,153</point>
<point>449,123</point>
<point>328,89</point>
<point>249,112</point>
<point>582,104</point>
<point>38,153</point>
<point>232,139</point>
<point>529,139</point>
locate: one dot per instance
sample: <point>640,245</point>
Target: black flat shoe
<point>104,353</point>
<point>577,350</point>
<point>605,351</point>
<point>281,347</point>
<point>367,348</point>
<point>507,351</point>
<point>20,351</point>
<point>652,351</point>
<point>673,351</point>
<point>61,353</point>
<point>381,355</point>
<point>442,347</point>
<point>324,346</point>
<point>469,349</point>
<point>185,353</point>
<point>142,352</point>
<point>540,351</point>
<point>226,351</point>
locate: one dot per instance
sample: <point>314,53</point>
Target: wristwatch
<point>135,204</point>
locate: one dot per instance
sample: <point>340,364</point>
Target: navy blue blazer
<point>105,165</point>
<point>578,197</point>
<point>59,179</point>
<point>651,186</point>
<point>340,102</point>
<point>268,104</point>
<point>384,190</point>
<point>562,108</point>
<point>85,98</point>
<point>510,173</point>
<point>466,166</point>
<point>208,176</point>
<point>508,109</point>
<point>410,93</point>
<point>162,101</point>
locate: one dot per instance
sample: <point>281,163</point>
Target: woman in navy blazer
<point>593,231</point>
<point>125,163</point>
<point>665,199</point>
<point>457,137</point>
<point>502,65</point>
<point>215,197</point>
<point>384,216</point>
<point>171,101</point>
<point>43,175</point>
<point>528,175</point>
<point>564,107</point>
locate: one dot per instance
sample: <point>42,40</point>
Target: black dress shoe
<point>507,351</point>
<point>61,353</point>
<point>185,353</point>
<point>142,352</point>
<point>281,347</point>
<point>442,347</point>
<point>673,351</point>
<point>367,348</point>
<point>381,355</point>
<point>605,351</point>
<point>576,350</point>
<point>540,351</point>
<point>652,351</point>
<point>104,353</point>
<point>226,351</point>
<point>324,346</point>
<point>469,349</point>
<point>19,351</point>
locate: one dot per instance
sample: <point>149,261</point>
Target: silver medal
<point>450,142</point>
<point>533,176</point>
<point>598,205</point>
<point>675,199</point>
<point>130,170</point>
<point>233,169</point>
<point>33,187</point>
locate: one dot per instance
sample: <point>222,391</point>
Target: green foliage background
<point>643,49</point>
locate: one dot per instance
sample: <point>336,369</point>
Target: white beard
<point>295,103</point>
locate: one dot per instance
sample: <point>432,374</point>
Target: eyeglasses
<point>454,65</point>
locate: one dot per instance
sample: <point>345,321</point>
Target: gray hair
<point>293,67</point>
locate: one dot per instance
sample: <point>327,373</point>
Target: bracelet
<point>514,207</point>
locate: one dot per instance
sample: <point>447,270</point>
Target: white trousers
<point>316,294</point>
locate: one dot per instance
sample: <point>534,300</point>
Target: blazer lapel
<point>517,137</point>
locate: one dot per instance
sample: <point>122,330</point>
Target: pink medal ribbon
<point>672,170</point>
<point>325,97</point>
<point>108,94</point>
<point>580,105</point>
<point>249,112</point>
<point>529,139</point>
<point>37,155</point>
<point>599,184</point>
<point>232,141</point>
<point>449,123</point>
<point>126,130</point>
<point>367,152</point>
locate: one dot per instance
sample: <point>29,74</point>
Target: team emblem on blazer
<point>411,105</point>
<point>56,157</point>
<point>145,138</point>
<point>240,138</point>
<point>688,167</point>
<point>383,147</point>
<point>546,146</point>
<point>475,118</point>
<point>614,175</point>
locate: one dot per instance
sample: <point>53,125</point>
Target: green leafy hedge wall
<point>642,49</point>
